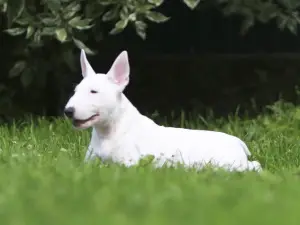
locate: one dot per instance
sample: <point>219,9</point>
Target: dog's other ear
<point>86,68</point>
<point>119,71</point>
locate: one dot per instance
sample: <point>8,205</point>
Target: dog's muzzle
<point>69,112</point>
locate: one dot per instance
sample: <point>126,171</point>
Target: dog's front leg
<point>89,155</point>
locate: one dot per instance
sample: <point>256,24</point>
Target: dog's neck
<point>121,119</point>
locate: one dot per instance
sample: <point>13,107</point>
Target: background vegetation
<point>40,41</point>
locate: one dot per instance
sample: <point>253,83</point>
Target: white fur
<point>123,135</point>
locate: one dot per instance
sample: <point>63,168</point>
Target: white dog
<point>123,135</point>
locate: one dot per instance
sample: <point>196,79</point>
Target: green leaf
<point>246,24</point>
<point>192,4</point>
<point>25,18</point>
<point>132,17</point>
<point>110,15</point>
<point>124,13</point>
<point>71,10</point>
<point>292,26</point>
<point>61,34</point>
<point>73,7</point>
<point>144,8</point>
<point>80,24</point>
<point>229,9</point>
<point>30,31</point>
<point>69,15</point>
<point>22,22</point>
<point>266,14</point>
<point>115,31</point>
<point>17,69</point>
<point>140,29</point>
<point>141,33</point>
<point>156,17</point>
<point>141,25</point>
<point>15,31</point>
<point>81,45</point>
<point>48,31</point>
<point>119,27</point>
<point>281,21</point>
<point>37,37</point>
<point>122,24</point>
<point>50,21</point>
<point>14,10</point>
<point>26,78</point>
<point>156,2</point>
<point>107,2</point>
<point>54,5</point>
<point>74,20</point>
<point>290,5</point>
<point>94,10</point>
<point>3,6</point>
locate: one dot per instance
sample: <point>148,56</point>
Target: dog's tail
<point>244,146</point>
<point>252,165</point>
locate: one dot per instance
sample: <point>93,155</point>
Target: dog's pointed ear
<point>86,68</point>
<point>119,71</point>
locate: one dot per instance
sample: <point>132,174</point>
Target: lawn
<point>43,180</point>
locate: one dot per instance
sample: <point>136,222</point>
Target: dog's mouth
<point>85,123</point>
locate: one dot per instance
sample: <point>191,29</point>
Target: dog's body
<point>123,135</point>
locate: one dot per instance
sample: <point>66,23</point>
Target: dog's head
<point>97,96</point>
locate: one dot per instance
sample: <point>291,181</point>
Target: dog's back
<point>191,146</point>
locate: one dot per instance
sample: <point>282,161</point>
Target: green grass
<point>43,180</point>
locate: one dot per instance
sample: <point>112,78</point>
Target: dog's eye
<point>94,92</point>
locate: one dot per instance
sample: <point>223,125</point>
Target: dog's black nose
<point>69,111</point>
